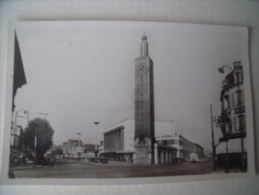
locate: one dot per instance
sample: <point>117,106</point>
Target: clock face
<point>142,68</point>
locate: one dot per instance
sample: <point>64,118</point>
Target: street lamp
<point>78,145</point>
<point>237,65</point>
<point>221,69</point>
<point>15,121</point>
<point>96,123</point>
<point>16,115</point>
<point>35,147</point>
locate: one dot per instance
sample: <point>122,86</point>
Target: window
<point>239,77</point>
<point>239,97</point>
<point>226,101</point>
<point>241,122</point>
<point>235,124</point>
<point>171,142</point>
<point>233,100</point>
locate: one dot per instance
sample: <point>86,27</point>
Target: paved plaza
<point>65,168</point>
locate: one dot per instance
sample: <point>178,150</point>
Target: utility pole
<point>96,150</point>
<point>35,147</point>
<point>212,138</point>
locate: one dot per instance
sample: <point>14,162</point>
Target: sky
<point>82,72</point>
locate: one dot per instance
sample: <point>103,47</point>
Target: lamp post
<point>96,123</point>
<point>15,122</point>
<point>35,147</point>
<point>16,115</point>
<point>78,146</point>
<point>237,65</point>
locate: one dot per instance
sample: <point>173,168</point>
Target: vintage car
<point>102,160</point>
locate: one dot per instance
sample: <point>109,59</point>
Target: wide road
<point>81,169</point>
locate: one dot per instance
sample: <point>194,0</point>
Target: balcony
<point>240,110</point>
<point>229,136</point>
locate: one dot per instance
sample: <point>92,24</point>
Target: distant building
<point>89,147</point>
<point>232,120</point>
<point>73,147</point>
<point>89,150</point>
<point>119,140</point>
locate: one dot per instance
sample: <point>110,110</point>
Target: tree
<point>43,131</point>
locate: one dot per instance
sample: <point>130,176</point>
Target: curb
<point>27,167</point>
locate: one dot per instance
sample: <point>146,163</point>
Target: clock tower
<point>144,107</point>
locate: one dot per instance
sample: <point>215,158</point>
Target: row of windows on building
<point>114,141</point>
<point>239,123</point>
<point>234,99</point>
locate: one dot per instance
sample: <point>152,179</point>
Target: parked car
<point>103,160</point>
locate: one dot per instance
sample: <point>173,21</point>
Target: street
<point>115,169</point>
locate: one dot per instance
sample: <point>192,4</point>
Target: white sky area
<point>82,72</point>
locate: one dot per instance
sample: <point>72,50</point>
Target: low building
<point>118,143</point>
<point>182,147</point>
<point>73,148</point>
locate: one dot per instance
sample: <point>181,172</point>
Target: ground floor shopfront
<point>165,154</point>
<point>162,155</point>
<point>229,154</point>
<point>118,156</point>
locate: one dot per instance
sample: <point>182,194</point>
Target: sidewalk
<point>222,170</point>
<point>27,166</point>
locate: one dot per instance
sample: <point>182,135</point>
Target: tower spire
<point>144,46</point>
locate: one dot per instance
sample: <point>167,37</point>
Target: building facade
<point>181,148</point>
<point>118,141</point>
<point>144,107</point>
<point>170,147</point>
<point>231,150</point>
<point>73,148</point>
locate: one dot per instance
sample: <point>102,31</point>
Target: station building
<point>118,143</point>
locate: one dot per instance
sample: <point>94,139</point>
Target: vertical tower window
<point>241,122</point>
<point>235,124</point>
<point>233,100</point>
<point>239,97</point>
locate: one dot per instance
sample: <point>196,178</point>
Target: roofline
<point>104,130</point>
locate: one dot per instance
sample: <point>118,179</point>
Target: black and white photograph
<point>122,100</point>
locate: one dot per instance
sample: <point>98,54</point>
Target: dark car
<point>103,160</point>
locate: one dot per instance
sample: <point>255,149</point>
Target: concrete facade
<point>181,147</point>
<point>144,107</point>
<point>73,148</point>
<point>232,121</point>
<point>118,141</point>
<point>126,142</point>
